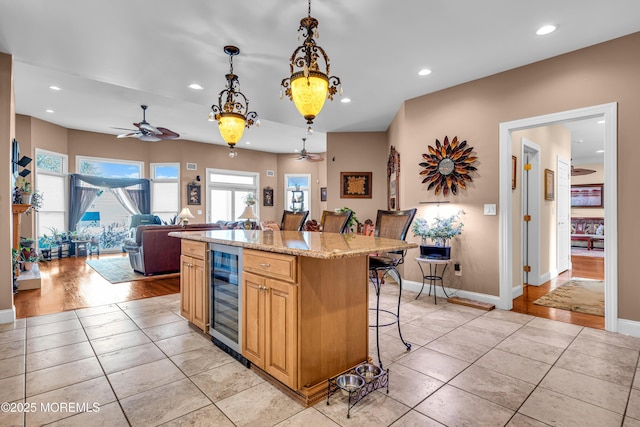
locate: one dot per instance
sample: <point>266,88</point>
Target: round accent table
<point>433,275</point>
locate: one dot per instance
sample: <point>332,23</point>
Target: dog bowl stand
<point>357,395</point>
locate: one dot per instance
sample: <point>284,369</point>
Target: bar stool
<point>390,225</point>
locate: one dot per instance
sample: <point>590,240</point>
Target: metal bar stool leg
<point>398,313</point>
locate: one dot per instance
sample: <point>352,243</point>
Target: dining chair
<point>335,222</point>
<point>293,221</point>
<point>390,225</point>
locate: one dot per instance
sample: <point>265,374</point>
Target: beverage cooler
<point>225,323</point>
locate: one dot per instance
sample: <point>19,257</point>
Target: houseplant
<point>28,256</point>
<point>439,231</point>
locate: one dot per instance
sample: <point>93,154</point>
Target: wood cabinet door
<point>253,306</point>
<point>185,286</point>
<point>281,332</point>
<point>199,312</point>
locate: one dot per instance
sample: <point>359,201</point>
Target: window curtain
<point>135,195</point>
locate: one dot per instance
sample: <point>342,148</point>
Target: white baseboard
<point>629,327</point>
<point>8,315</point>
<point>516,291</point>
<point>415,287</point>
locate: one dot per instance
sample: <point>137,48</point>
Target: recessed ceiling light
<point>195,86</point>
<point>600,151</point>
<point>49,110</point>
<point>54,87</point>
<point>295,151</point>
<point>600,122</point>
<point>547,29</point>
<point>345,100</point>
<point>248,143</point>
<point>424,72</point>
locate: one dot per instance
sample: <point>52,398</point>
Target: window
<point>109,168</point>
<point>113,226</point>
<point>51,182</point>
<point>296,194</point>
<point>165,190</point>
<point>227,190</point>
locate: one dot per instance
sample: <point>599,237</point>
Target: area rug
<point>118,270</point>
<point>594,253</point>
<point>584,296</point>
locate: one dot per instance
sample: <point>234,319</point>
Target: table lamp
<point>184,215</point>
<point>248,215</point>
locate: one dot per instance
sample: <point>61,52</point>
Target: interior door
<point>564,214</point>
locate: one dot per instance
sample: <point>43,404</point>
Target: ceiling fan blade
<point>167,133</point>
<point>132,130</point>
<point>314,157</point>
<point>149,138</point>
<point>580,171</point>
<point>135,134</point>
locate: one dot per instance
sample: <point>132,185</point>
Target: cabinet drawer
<point>278,266</point>
<point>193,249</point>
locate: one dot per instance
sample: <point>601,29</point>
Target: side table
<point>81,247</point>
<point>433,275</point>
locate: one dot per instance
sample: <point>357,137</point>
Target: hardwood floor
<point>585,267</point>
<point>69,283</point>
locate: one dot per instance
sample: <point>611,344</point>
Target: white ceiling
<point>111,56</point>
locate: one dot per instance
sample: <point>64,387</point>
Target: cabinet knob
<point>264,264</point>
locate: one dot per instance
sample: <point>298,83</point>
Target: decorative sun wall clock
<point>447,166</point>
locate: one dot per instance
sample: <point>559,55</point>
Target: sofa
<point>587,233</point>
<point>153,251</point>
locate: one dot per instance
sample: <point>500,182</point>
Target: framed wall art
<point>549,185</point>
<point>193,194</point>
<point>587,196</point>
<point>267,196</point>
<point>323,194</point>
<point>393,180</point>
<point>355,185</point>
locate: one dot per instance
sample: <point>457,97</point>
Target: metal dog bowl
<point>368,372</point>
<point>349,383</point>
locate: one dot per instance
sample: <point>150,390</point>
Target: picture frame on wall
<point>267,196</point>
<point>323,194</point>
<point>393,180</point>
<point>194,194</point>
<point>355,185</point>
<point>587,196</point>
<point>549,185</point>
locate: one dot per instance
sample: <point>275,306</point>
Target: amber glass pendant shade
<point>309,94</point>
<point>231,127</point>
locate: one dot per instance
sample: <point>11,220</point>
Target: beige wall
<point>357,152</point>
<point>594,178</point>
<point>553,141</point>
<point>599,74</point>
<point>7,133</point>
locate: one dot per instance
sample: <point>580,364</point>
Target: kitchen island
<point>304,302</point>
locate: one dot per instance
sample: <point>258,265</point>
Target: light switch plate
<point>199,211</point>
<point>490,209</point>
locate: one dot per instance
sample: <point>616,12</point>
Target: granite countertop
<point>302,243</point>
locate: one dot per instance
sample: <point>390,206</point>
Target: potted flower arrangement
<point>28,255</point>
<point>440,231</point>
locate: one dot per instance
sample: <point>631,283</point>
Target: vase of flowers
<point>440,231</point>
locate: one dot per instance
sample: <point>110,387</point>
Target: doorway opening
<point>608,113</point>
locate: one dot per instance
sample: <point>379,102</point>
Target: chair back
<point>335,222</point>
<point>293,221</point>
<point>394,224</point>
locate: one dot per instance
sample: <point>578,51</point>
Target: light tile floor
<point>140,364</point>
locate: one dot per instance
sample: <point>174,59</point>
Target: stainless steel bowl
<point>368,371</point>
<point>349,383</point>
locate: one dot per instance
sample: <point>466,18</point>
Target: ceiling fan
<point>580,171</point>
<point>147,132</point>
<point>305,155</point>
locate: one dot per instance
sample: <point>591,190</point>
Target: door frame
<point>559,198</point>
<point>609,113</point>
<point>532,190</point>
